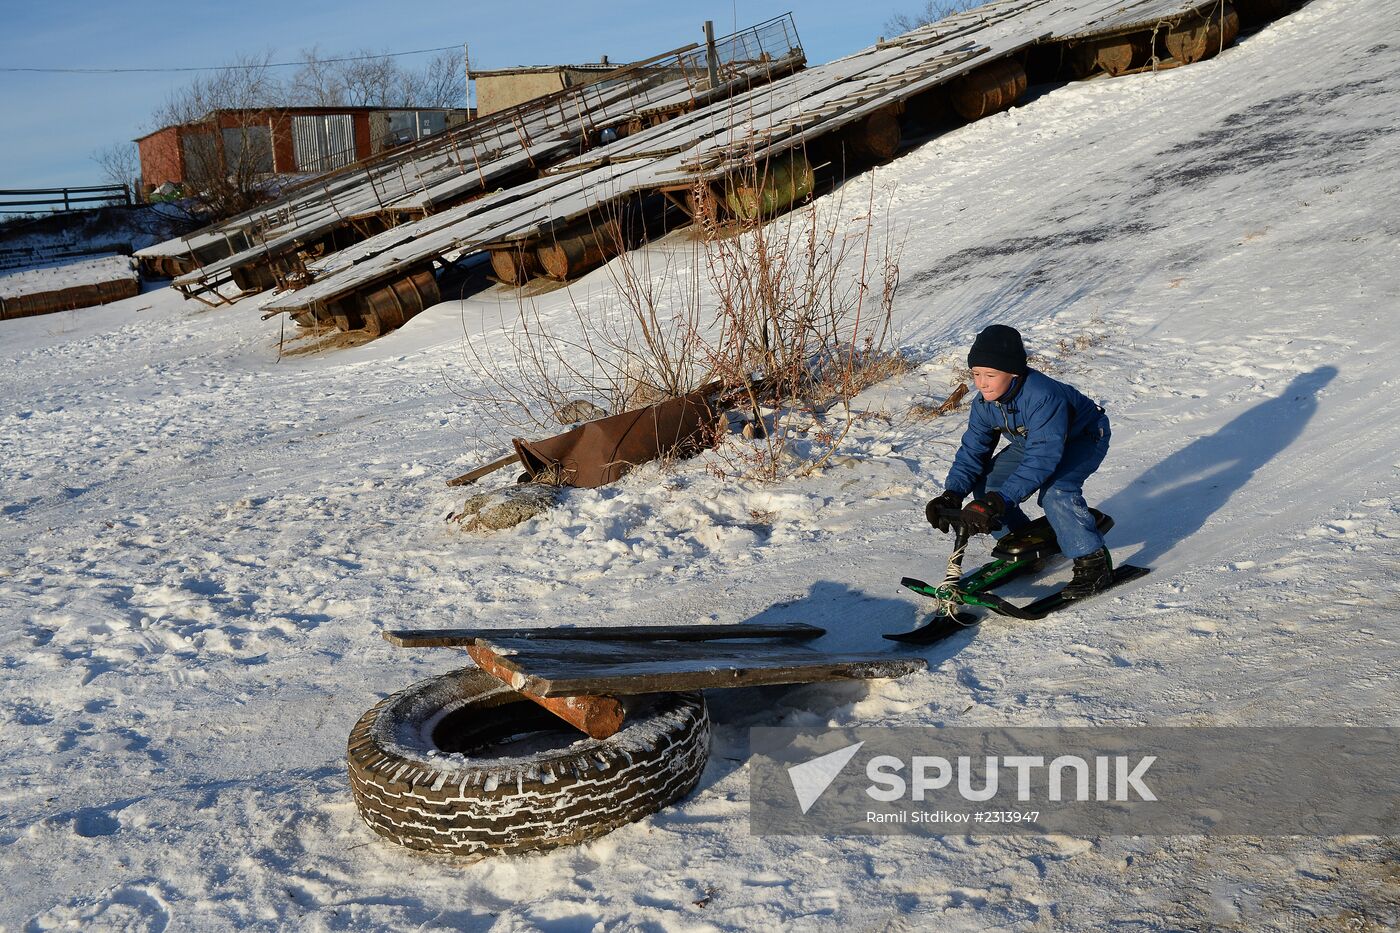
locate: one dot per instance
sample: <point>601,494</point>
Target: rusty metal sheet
<point>602,451</point>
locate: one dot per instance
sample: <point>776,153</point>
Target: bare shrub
<point>120,165</point>
<point>791,314</point>
<point>634,345</point>
<point>804,309</point>
<point>226,139</point>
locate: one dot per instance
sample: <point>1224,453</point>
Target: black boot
<point>1092,574</point>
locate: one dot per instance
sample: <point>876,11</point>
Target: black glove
<point>944,511</point>
<point>983,516</point>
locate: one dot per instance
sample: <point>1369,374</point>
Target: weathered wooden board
<point>597,716</point>
<point>465,637</point>
<point>556,667</point>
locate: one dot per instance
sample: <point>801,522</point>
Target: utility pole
<point>710,52</point>
<point>467,78</point>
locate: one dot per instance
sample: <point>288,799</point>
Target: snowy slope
<point>200,542</point>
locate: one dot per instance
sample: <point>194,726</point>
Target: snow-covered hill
<point>200,543</point>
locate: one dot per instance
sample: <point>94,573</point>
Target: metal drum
<point>393,305</point>
<point>514,265</point>
<point>1203,34</point>
<point>580,248</point>
<point>782,181</point>
<point>988,89</point>
<point>877,136</point>
<point>1114,55</point>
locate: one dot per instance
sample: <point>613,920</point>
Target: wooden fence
<point>61,199</point>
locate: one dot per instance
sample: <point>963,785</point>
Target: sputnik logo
<point>811,778</point>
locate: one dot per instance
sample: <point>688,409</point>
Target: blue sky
<point>55,122</point>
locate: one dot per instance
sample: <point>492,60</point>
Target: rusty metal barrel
<point>165,267</point>
<point>393,305</point>
<point>255,277</point>
<point>1113,55</point>
<point>777,184</point>
<point>877,136</point>
<point>987,90</point>
<point>577,249</point>
<point>514,265</point>
<point>1202,34</point>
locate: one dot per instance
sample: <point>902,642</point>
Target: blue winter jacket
<point>1037,412</point>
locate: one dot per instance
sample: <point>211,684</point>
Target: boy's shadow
<point>852,617</point>
<point>1173,499</point>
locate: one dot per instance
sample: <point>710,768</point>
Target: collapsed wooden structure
<point>269,246</point>
<point>564,185</point>
<point>758,152</point>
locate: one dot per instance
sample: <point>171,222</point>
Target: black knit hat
<point>999,347</point>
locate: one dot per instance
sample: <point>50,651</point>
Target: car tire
<point>462,765</point>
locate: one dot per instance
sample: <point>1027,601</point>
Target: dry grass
<point>303,341</point>
<point>1066,356</point>
<point>927,411</point>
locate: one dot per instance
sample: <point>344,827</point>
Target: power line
<point>319,61</point>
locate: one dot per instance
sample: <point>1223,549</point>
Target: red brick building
<point>285,141</point>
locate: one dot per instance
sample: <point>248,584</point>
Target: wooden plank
<point>556,668</point>
<point>598,716</point>
<point>465,637</point>
<point>472,476</point>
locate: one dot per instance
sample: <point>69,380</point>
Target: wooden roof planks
<point>714,141</point>
<point>500,150</point>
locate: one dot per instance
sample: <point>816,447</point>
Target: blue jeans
<point>1062,496</point>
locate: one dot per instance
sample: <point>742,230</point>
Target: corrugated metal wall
<point>323,142</point>
<point>340,134</point>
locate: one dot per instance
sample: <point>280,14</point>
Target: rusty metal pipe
<point>992,88</point>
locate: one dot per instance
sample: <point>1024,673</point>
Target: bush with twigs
<point>790,314</point>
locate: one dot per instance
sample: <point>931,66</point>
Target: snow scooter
<point>1015,555</point>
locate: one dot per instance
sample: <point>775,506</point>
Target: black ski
<point>1056,601</point>
<point>936,629</point>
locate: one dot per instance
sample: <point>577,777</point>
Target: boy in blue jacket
<point>1057,439</point>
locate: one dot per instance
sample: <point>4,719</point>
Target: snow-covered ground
<point>200,543</point>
